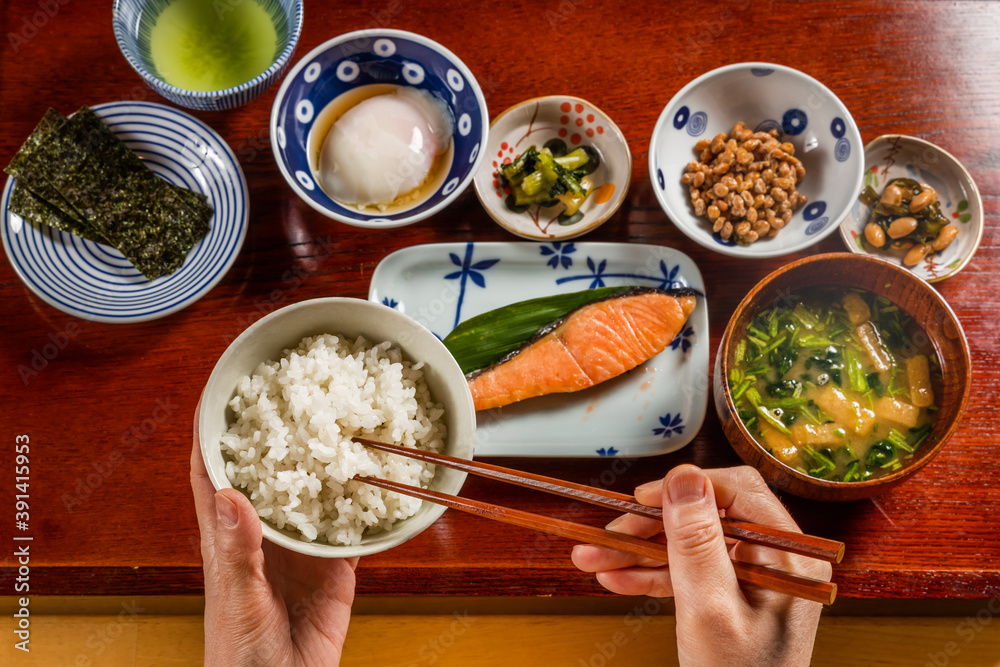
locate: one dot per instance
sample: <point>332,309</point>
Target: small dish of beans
<point>918,206</point>
<point>906,218</point>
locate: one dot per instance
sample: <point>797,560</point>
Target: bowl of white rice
<point>286,398</point>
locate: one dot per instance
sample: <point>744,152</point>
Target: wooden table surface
<point>109,418</point>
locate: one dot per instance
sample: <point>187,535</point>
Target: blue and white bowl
<point>127,14</point>
<point>369,57</point>
<point>763,96</point>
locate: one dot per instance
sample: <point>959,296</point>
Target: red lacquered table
<point>109,417</point>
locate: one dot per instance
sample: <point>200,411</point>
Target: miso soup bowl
<point>126,20</point>
<point>916,298</point>
<point>283,329</point>
<point>367,57</point>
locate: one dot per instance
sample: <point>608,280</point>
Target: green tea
<point>207,45</point>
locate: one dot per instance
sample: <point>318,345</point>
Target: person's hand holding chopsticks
<point>718,623</point>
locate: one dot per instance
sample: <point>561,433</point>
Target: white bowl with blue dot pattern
<point>370,57</point>
<point>763,96</point>
<point>130,32</point>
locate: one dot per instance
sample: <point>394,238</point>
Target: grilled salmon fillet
<point>594,343</point>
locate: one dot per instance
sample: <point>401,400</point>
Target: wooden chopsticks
<point>784,540</point>
<point>775,580</point>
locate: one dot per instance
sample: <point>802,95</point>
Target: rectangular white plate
<point>653,409</point>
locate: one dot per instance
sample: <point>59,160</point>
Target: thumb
<point>700,572</point>
<point>235,598</point>
<point>238,535</point>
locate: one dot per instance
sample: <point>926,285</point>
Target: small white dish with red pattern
<point>577,123</point>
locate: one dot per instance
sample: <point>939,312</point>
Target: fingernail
<point>226,511</point>
<point>686,487</point>
<point>617,522</point>
<point>655,485</point>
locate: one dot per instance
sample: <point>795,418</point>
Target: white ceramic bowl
<point>898,156</point>
<point>534,122</point>
<point>368,57</point>
<point>267,338</point>
<point>127,22</point>
<point>763,96</point>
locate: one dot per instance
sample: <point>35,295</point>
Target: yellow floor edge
<point>470,640</point>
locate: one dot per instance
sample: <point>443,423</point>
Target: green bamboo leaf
<point>485,339</point>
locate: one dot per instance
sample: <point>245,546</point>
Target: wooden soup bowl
<point>916,298</point>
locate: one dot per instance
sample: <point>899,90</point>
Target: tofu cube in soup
<point>851,414</point>
<point>918,374</point>
<point>896,411</point>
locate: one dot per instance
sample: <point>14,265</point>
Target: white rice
<point>290,446</point>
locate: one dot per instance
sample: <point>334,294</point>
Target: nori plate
<point>151,222</point>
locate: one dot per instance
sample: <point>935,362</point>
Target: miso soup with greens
<point>837,383</point>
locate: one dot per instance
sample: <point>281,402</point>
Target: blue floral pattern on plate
<point>442,284</point>
<point>668,277</point>
<point>468,271</point>
<point>559,254</point>
<point>670,424</point>
<point>682,340</point>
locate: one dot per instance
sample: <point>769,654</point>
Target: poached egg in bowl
<point>384,151</point>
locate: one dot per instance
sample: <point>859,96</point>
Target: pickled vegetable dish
<point>836,383</point>
<point>550,176</point>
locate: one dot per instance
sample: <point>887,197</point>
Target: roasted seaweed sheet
<point>76,175</point>
<point>40,212</point>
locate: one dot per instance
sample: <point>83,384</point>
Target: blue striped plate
<point>95,282</point>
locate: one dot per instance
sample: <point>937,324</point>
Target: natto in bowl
<point>763,96</point>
